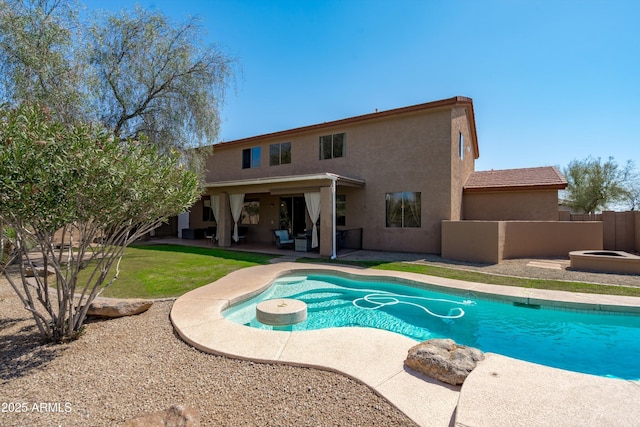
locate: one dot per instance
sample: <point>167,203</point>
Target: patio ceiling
<point>284,184</point>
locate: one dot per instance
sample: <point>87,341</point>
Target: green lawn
<point>472,276</point>
<point>156,271</point>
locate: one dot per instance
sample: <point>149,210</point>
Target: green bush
<point>81,182</point>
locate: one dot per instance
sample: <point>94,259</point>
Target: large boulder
<point>114,307</point>
<point>443,360</point>
<point>38,271</point>
<point>175,416</point>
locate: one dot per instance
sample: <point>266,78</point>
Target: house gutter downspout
<point>334,179</point>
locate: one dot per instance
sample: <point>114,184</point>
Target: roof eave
<point>515,188</point>
<point>443,103</point>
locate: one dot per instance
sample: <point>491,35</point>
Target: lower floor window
<point>250,211</point>
<point>403,209</point>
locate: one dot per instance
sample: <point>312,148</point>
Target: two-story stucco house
<point>388,177</point>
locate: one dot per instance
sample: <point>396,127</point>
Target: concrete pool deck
<point>500,391</point>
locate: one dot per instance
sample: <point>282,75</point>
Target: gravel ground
<point>521,267</point>
<point>124,367</point>
<point>529,268</point>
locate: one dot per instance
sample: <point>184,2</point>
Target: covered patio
<point>300,204</point>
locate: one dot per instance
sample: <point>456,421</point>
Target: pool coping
<point>376,357</point>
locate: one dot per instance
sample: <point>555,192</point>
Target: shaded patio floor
<point>263,248</point>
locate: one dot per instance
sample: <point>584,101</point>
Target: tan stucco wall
<point>550,238</point>
<point>460,168</point>
<point>493,241</point>
<point>413,152</point>
<point>584,260</point>
<point>564,215</point>
<point>326,225</point>
<point>637,230</point>
<point>196,215</point>
<point>540,205</point>
<point>474,241</point>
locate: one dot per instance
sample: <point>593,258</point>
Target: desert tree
<point>135,71</point>
<point>156,78</point>
<point>38,57</point>
<point>91,191</point>
<point>37,63</point>
<point>633,194</point>
<point>594,185</point>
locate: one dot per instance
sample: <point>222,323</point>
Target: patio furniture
<point>341,236</point>
<point>303,243</point>
<point>283,239</point>
<point>192,233</point>
<point>210,233</point>
<point>242,234</point>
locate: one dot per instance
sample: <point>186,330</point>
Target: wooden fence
<point>586,217</point>
<point>620,230</point>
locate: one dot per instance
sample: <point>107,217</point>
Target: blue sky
<point>552,81</point>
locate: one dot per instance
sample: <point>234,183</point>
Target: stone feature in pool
<point>595,342</point>
<point>281,312</point>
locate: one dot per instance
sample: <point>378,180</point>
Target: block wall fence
<point>493,241</point>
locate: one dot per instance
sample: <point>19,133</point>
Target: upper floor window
<point>280,154</point>
<point>403,209</point>
<point>251,158</point>
<point>461,145</point>
<point>332,146</point>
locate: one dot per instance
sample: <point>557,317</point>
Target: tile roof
<point>546,177</point>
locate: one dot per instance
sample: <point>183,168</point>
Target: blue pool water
<point>599,343</point>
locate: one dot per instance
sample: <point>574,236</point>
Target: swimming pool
<point>599,343</point>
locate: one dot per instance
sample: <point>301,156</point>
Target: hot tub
<point>604,261</point>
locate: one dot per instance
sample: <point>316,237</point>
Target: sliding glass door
<point>293,215</point>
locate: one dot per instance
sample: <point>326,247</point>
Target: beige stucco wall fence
<point>493,241</point>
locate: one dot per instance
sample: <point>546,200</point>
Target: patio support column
<point>326,222</point>
<point>224,222</point>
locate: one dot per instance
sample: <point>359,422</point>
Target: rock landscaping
<point>114,307</point>
<point>443,360</point>
<point>126,367</point>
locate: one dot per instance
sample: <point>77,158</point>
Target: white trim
<point>334,252</point>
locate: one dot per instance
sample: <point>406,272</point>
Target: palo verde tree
<point>85,185</point>
<point>594,185</point>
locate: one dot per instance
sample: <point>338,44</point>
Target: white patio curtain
<point>313,207</point>
<point>215,208</point>
<point>235,200</point>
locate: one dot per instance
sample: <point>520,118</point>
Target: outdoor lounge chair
<point>242,235</point>
<point>210,234</point>
<point>283,239</point>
